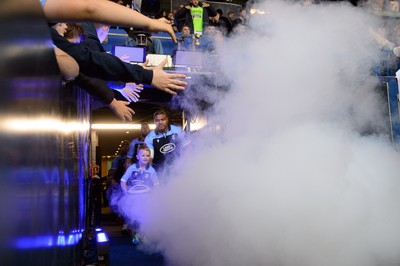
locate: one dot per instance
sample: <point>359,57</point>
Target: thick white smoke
<point>289,179</point>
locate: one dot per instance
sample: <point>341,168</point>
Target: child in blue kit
<point>140,178</point>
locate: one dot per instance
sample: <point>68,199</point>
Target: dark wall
<point>43,164</point>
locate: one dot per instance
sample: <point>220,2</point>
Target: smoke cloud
<point>294,167</point>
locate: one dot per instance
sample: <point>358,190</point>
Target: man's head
<point>185,30</point>
<point>231,15</point>
<point>144,129</point>
<point>243,13</point>
<point>75,33</point>
<point>161,120</point>
<point>102,31</point>
<point>143,155</point>
<point>195,3</point>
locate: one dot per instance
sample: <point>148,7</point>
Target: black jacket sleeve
<point>95,87</point>
<point>101,64</point>
<point>181,13</point>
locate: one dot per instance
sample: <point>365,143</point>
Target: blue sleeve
<point>42,2</point>
<point>177,130</point>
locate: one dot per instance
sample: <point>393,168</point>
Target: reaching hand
<point>162,24</point>
<point>121,110</point>
<point>131,91</point>
<point>167,82</point>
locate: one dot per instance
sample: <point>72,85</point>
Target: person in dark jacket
<point>102,65</point>
<point>196,15</point>
<point>97,87</point>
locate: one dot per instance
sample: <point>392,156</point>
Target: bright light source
<point>120,126</point>
<point>37,125</point>
<point>102,237</point>
<point>258,11</point>
<point>198,123</point>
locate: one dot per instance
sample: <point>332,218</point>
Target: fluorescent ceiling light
<point>38,125</point>
<point>120,126</point>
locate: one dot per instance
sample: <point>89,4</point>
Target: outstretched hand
<point>131,91</point>
<point>167,82</point>
<point>162,24</point>
<point>121,110</point>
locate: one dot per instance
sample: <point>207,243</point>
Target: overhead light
<point>258,11</point>
<point>43,124</point>
<point>120,126</point>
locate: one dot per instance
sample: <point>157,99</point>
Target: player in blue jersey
<point>165,141</point>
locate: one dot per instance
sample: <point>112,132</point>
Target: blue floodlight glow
<point>48,241</point>
<point>61,240</point>
<point>34,242</point>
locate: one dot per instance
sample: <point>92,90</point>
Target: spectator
<point>155,46</point>
<point>102,65</point>
<point>164,141</point>
<point>242,19</point>
<point>140,178</point>
<point>179,21</point>
<point>98,88</point>
<point>75,33</point>
<point>109,12</point>
<point>221,22</point>
<point>185,30</point>
<point>186,42</point>
<point>69,68</point>
<point>104,11</point>
<point>196,15</point>
<point>163,14</point>
<point>231,16</point>
<point>136,144</point>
